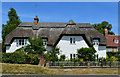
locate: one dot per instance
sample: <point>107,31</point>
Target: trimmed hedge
<point>116,54</point>
<point>20,58</point>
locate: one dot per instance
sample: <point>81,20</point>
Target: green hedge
<point>20,58</point>
<point>116,54</point>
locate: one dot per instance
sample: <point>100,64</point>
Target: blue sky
<point>80,12</point>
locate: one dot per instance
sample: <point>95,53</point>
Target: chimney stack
<point>106,32</point>
<point>36,20</point>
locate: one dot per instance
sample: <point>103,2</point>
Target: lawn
<point>38,70</point>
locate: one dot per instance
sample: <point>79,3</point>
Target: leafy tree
<point>52,55</point>
<point>12,23</point>
<point>101,26</point>
<point>88,54</point>
<point>62,57</point>
<point>35,47</point>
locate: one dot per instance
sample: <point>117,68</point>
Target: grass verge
<point>28,69</point>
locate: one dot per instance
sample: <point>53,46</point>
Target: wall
<point>101,51</point>
<point>13,47</point>
<point>67,48</point>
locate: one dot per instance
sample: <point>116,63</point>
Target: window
<point>44,41</point>
<point>21,42</point>
<point>72,40</point>
<point>116,41</point>
<point>74,55</point>
<point>70,56</point>
<point>95,42</point>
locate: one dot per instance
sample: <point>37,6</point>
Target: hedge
<point>20,58</point>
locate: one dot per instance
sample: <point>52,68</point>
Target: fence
<point>84,64</point>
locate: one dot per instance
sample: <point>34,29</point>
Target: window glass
<point>22,41</point>
<point>70,56</point>
<point>71,40</point>
<point>116,41</point>
<point>19,41</point>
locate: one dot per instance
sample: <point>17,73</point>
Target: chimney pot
<point>36,19</point>
<point>106,32</point>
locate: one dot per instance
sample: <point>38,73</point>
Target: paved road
<point>61,76</point>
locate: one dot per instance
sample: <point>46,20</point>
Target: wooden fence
<point>84,64</point>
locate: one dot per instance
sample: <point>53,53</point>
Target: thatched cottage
<point>67,36</point>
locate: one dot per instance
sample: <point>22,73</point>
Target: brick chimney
<point>106,32</point>
<point>36,20</point>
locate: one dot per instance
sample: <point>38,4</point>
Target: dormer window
<point>116,41</point>
<point>21,42</point>
<point>95,42</point>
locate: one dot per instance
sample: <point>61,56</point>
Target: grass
<point>38,70</point>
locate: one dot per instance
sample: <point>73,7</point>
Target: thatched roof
<point>54,31</point>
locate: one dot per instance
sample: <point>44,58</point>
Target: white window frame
<point>96,42</point>
<point>21,42</point>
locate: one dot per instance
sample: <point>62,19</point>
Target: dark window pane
<point>70,56</point>
<point>19,41</point>
<point>74,40</point>
<point>71,40</point>
<point>22,41</point>
<point>74,55</point>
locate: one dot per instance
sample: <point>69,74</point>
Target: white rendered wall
<point>67,48</point>
<point>13,47</point>
<point>101,51</point>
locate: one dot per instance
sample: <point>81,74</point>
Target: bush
<point>87,54</point>
<point>20,57</point>
<point>62,57</point>
<point>34,59</point>
<point>15,57</point>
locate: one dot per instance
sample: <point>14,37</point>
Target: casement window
<point>70,56</point>
<point>95,42</point>
<point>21,42</point>
<point>72,40</point>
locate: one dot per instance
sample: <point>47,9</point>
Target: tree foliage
<point>88,54</point>
<point>101,26</point>
<point>12,23</point>
<point>35,47</point>
<point>52,55</point>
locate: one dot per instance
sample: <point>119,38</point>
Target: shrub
<point>88,54</point>
<point>20,57</point>
<point>62,57</point>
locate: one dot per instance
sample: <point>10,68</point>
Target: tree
<point>101,26</point>
<point>13,22</point>
<point>52,55</point>
<point>36,47</point>
<point>88,54</point>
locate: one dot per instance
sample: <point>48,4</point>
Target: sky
<point>79,12</point>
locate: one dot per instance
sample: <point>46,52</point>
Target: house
<point>112,42</point>
<point>67,36</point>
